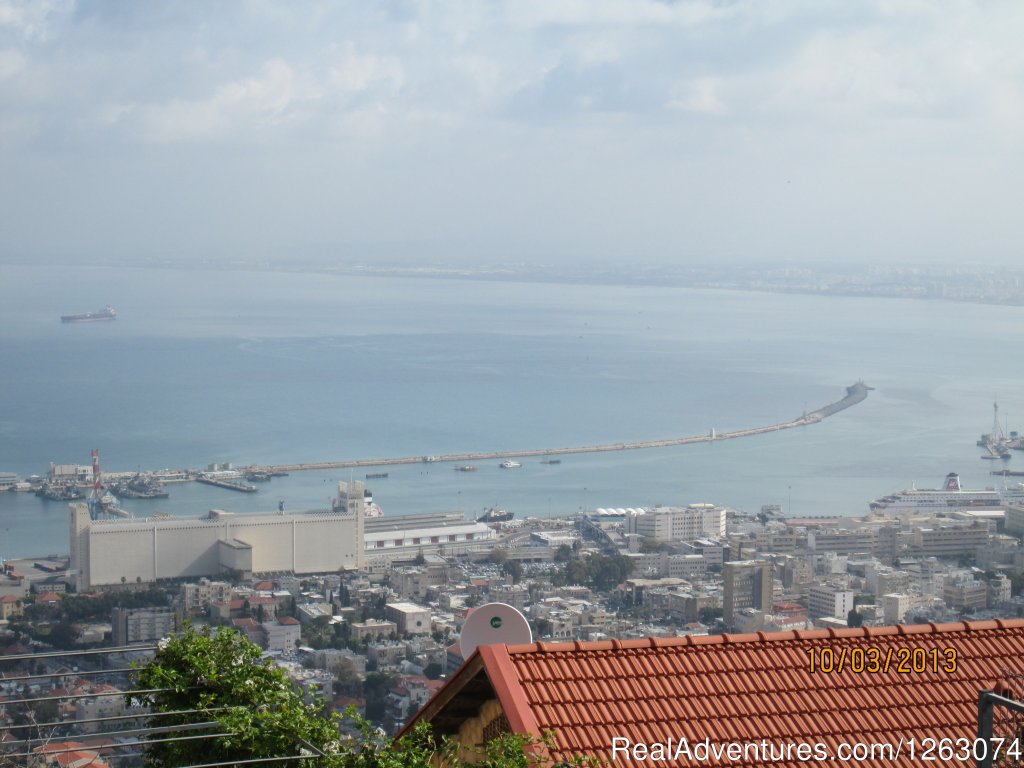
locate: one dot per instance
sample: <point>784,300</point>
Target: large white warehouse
<point>105,552</point>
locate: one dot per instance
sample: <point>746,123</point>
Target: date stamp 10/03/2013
<point>874,660</point>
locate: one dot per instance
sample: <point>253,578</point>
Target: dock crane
<point>101,505</point>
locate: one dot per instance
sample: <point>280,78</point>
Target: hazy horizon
<point>567,133</point>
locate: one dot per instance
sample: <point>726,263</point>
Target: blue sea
<point>278,367</point>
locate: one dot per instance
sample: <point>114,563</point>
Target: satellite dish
<point>493,623</point>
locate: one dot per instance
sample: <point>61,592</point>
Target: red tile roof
<point>738,688</point>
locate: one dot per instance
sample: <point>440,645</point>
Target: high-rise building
<point>746,584</point>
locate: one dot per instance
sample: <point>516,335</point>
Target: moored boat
<point>494,515</point>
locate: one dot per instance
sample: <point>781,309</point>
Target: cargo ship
<point>494,515</point>
<point>107,313</point>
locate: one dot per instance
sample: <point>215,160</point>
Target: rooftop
<point>740,688</point>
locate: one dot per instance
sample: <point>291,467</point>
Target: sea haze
<point>264,367</point>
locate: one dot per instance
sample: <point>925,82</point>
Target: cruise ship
<point>950,496</point>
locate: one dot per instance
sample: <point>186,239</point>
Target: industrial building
<point>108,552</point>
<point>391,539</point>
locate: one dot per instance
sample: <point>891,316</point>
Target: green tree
<point>497,556</point>
<point>221,675</point>
<point>513,569</point>
<point>204,676</point>
<point>376,686</point>
<point>600,572</point>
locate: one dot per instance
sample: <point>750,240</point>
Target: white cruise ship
<point>949,497</point>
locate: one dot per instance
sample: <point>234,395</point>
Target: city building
<point>372,628</point>
<point>962,591</point>
<point>746,584</point>
<point>895,608</point>
<point>950,540</point>
<point>409,618</point>
<point>196,597</point>
<point>829,600</point>
<point>10,605</point>
<point>677,524</point>
<point>142,625</point>
<point>283,634</point>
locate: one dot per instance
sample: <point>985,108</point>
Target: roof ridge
<point>754,637</point>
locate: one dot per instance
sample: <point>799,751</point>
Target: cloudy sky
<point>686,131</point>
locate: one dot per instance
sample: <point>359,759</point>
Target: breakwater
<point>855,393</point>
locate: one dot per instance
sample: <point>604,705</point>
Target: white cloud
<point>578,98</point>
<point>701,95</point>
<point>11,63</point>
<point>33,19</point>
<point>352,71</point>
<point>584,13</point>
<point>271,97</point>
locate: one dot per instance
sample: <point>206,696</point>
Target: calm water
<point>247,367</point>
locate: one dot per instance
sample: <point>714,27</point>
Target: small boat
<point>465,468</point>
<point>376,475</point>
<point>509,464</point>
<point>550,461</point>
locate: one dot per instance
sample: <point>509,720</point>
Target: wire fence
<point>64,694</point>
<point>1001,722</point>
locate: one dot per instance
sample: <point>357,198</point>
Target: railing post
<point>985,728</point>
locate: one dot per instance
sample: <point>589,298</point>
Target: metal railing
<point>34,739</point>
<point>1001,723</point>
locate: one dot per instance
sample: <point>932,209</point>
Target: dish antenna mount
<point>491,624</point>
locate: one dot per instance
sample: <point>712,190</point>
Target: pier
<point>855,393</point>
<point>231,485</point>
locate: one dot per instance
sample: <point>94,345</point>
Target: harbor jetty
<point>855,393</point>
<point>229,484</point>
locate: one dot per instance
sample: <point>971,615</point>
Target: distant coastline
<point>975,284</point>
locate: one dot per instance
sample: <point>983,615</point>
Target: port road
<point>854,394</point>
